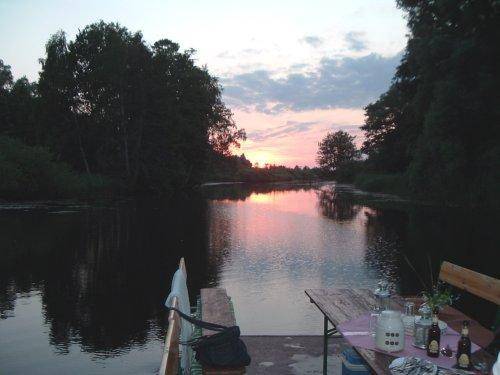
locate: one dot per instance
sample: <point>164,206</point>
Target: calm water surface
<point>82,286</point>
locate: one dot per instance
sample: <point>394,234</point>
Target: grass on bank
<point>364,177</point>
<point>385,183</point>
<point>28,172</point>
<point>357,173</point>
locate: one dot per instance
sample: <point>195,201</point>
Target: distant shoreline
<point>221,183</point>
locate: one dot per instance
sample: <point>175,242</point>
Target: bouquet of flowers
<point>439,296</point>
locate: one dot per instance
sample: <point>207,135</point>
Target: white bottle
<point>390,331</point>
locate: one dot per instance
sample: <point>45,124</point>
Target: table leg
<point>327,334</point>
<point>325,345</point>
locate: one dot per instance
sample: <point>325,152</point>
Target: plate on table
<point>412,366</point>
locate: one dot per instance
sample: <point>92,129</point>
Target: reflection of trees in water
<point>103,275</point>
<point>464,237</point>
<point>243,191</point>
<point>219,241</point>
<point>336,206</point>
<point>384,230</point>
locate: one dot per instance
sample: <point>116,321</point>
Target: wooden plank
<point>483,286</point>
<point>170,360</point>
<point>215,308</point>
<point>340,305</point>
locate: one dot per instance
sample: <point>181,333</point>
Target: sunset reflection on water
<point>281,243</point>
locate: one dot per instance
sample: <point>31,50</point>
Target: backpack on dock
<point>222,349</point>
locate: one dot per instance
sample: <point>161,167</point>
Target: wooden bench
<point>476,283</point>
<point>216,308</point>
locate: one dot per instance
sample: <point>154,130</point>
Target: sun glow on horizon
<point>291,138</point>
<point>260,158</point>
<point>261,198</point>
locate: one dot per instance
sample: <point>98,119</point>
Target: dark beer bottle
<point>434,336</point>
<point>464,348</point>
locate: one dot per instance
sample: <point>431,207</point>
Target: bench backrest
<point>483,286</point>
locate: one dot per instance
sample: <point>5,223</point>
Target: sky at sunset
<point>291,70</point>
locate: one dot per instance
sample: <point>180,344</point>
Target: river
<point>82,285</point>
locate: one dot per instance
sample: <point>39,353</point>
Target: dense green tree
<point>60,130</point>
<point>110,70</point>
<point>386,142</point>
<point>335,149</point>
<point>108,103</point>
<point>146,115</point>
<point>438,123</point>
<point>18,101</point>
<point>23,111</point>
<point>5,76</point>
<point>6,81</point>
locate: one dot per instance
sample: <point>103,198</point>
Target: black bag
<point>222,349</point>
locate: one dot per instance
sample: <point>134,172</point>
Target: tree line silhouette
<point>435,133</point>
<point>108,104</point>
<point>436,130</point>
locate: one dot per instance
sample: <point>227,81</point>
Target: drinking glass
<point>409,317</point>
<point>372,323</point>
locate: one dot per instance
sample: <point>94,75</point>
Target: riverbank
<point>365,177</point>
<point>383,183</point>
<point>35,173</point>
<point>358,174</point>
<point>239,169</point>
<point>28,172</point>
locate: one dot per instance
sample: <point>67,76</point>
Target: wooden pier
<point>321,354</point>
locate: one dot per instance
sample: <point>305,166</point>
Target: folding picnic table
<point>341,305</point>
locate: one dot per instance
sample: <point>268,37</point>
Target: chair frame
<point>170,360</point>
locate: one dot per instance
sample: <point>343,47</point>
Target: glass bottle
<point>464,348</point>
<point>434,336</point>
<point>409,317</point>
<point>422,325</point>
<point>383,295</point>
